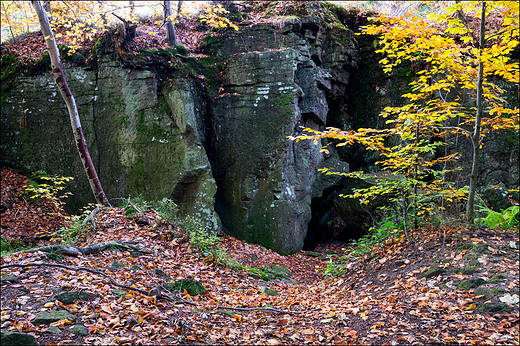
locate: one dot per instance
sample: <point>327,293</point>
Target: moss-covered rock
<point>79,330</point>
<point>278,271</point>
<point>268,291</point>
<point>119,293</point>
<point>193,287</point>
<point>114,266</point>
<point>70,296</point>
<point>17,339</point>
<point>434,270</point>
<point>48,317</point>
<point>131,130</point>
<point>495,307</point>
<point>471,283</point>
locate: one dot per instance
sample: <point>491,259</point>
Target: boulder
<point>17,339</point>
<point>140,137</point>
<point>497,197</point>
<point>193,287</point>
<point>48,317</point>
<point>79,330</point>
<point>70,296</point>
<point>265,181</point>
<point>268,291</point>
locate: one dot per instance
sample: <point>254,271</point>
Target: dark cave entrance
<point>326,225</point>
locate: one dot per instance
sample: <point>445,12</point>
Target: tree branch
<point>76,251</point>
<point>57,265</point>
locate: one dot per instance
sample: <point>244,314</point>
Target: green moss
<point>495,307</point>
<point>211,45</point>
<point>434,270</point>
<point>471,283</point>
<point>10,69</point>
<point>135,175</point>
<point>191,286</point>
<point>497,279</point>
<point>282,100</point>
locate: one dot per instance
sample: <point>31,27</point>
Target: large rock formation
<point>143,140</point>
<point>265,181</point>
<point>228,155</point>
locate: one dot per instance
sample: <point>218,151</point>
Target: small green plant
<point>38,188</point>
<point>376,236</point>
<point>364,245</point>
<point>337,268</point>
<point>8,245</point>
<point>77,228</point>
<point>508,218</point>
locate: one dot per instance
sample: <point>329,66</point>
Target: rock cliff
<point>274,81</point>
<point>142,136</point>
<point>225,159</point>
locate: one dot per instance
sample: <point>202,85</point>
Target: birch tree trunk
<point>171,37</point>
<point>475,139</point>
<point>59,76</point>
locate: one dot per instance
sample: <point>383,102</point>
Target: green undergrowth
<point>78,228</point>
<point>508,218</point>
<point>8,245</point>
<point>363,246</point>
<point>206,241</point>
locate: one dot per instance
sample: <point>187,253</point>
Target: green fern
<point>508,218</point>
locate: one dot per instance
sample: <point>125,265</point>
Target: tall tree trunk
<point>170,29</point>
<point>57,71</point>
<point>476,131</point>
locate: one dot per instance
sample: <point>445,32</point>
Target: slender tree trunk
<point>132,10</point>
<point>179,5</point>
<point>57,71</point>
<point>47,8</point>
<point>476,131</point>
<point>170,29</point>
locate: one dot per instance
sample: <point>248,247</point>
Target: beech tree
<point>61,82</point>
<point>458,57</point>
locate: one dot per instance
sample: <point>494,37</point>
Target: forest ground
<point>451,285</point>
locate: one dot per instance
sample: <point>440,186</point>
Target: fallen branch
<point>76,251</point>
<point>77,269</point>
<point>91,217</point>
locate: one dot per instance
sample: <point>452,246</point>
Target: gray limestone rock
<point>48,317</point>
<point>17,339</point>
<point>70,296</point>
<point>79,330</point>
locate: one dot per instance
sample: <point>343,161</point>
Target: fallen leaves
<point>370,305</point>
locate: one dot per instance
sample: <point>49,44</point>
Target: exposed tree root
<point>76,251</point>
<point>161,287</point>
<point>77,269</point>
<point>244,309</point>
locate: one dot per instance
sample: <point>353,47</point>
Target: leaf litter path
<point>455,289</point>
<point>379,301</point>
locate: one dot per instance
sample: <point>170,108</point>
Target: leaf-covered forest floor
<point>452,285</point>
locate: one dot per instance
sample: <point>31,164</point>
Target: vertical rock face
<point>143,140</point>
<point>265,181</point>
